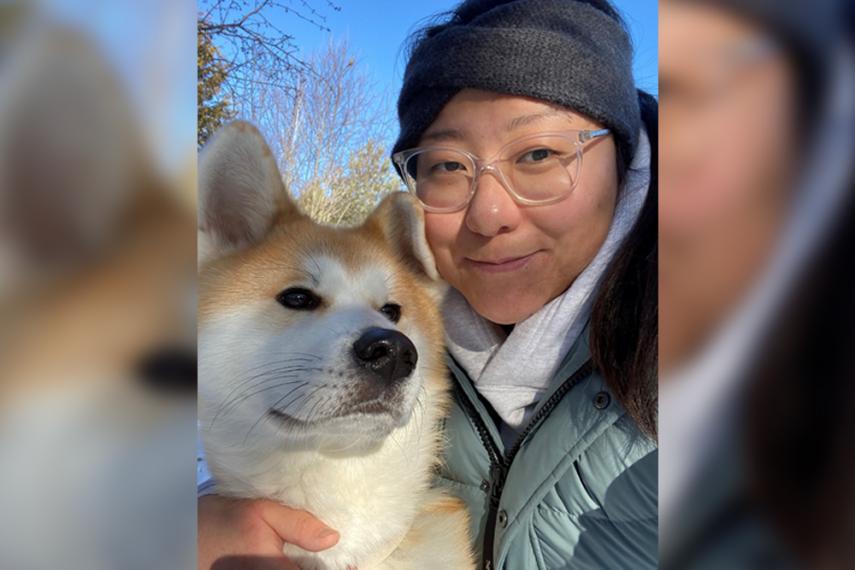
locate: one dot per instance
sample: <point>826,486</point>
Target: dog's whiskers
<point>276,373</point>
<point>265,413</point>
<point>301,361</point>
<point>354,443</point>
<point>276,370</point>
<point>310,415</point>
<point>302,357</point>
<point>316,264</point>
<point>420,404</point>
<point>322,402</point>
<point>269,375</point>
<point>308,274</point>
<point>335,332</point>
<point>279,369</point>
<point>291,402</point>
<point>252,385</point>
<point>243,395</point>
<point>397,443</point>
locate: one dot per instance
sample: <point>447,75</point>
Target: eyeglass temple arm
<point>585,136</point>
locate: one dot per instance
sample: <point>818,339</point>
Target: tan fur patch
<point>446,505</point>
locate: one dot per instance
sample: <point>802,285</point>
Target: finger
<point>298,527</point>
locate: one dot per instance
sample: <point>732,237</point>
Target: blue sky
<point>376,31</point>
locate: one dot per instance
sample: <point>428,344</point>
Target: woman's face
<point>509,260</point>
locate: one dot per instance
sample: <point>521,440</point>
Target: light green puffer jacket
<point>578,492</point>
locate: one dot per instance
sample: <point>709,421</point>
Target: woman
<point>535,159</point>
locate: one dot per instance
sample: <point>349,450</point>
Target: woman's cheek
<point>572,217</point>
<point>575,229</point>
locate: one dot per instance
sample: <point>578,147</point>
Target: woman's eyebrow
<point>444,135</point>
<point>524,120</point>
<point>515,123</point>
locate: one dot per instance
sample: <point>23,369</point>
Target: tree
<point>212,108</point>
<point>253,48</point>
<point>321,114</point>
<point>239,46</point>
<point>328,136</point>
<point>353,191</point>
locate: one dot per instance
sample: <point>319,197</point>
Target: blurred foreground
<point>97,277</point>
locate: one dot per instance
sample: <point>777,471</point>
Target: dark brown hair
<point>625,317</point>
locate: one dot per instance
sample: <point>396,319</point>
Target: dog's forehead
<point>344,282</point>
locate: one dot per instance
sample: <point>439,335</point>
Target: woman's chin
<point>507,311</point>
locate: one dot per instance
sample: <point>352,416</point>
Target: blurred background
<point>757,378</point>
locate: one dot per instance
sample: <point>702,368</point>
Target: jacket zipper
<point>501,464</point>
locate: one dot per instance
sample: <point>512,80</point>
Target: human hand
<point>248,534</point>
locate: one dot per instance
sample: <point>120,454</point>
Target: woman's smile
<point>501,264</point>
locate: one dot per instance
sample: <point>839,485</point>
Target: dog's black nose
<point>386,353</point>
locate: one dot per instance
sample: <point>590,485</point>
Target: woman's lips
<point>501,265</point>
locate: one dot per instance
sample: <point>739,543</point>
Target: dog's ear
<point>241,193</point>
<point>401,222</point>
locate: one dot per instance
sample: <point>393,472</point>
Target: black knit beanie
<point>562,51</point>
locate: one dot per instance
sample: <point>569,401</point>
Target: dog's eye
<point>298,299</point>
<point>392,311</point>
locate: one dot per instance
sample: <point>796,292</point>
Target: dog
<point>322,383</point>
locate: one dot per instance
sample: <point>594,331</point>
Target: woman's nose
<point>492,210</point>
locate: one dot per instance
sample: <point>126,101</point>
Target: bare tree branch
<point>252,48</point>
<point>327,135</point>
<point>321,115</point>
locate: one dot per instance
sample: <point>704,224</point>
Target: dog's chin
<point>359,427</point>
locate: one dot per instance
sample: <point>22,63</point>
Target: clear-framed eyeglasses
<point>536,170</point>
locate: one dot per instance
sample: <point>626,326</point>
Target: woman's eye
<point>537,155</point>
<point>392,311</point>
<point>298,299</point>
<point>449,166</point>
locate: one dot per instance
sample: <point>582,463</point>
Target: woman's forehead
<point>468,99</point>
<point>473,113</point>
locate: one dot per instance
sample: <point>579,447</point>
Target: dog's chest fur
<point>371,500</point>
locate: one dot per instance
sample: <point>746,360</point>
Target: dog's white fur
<point>366,475</point>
